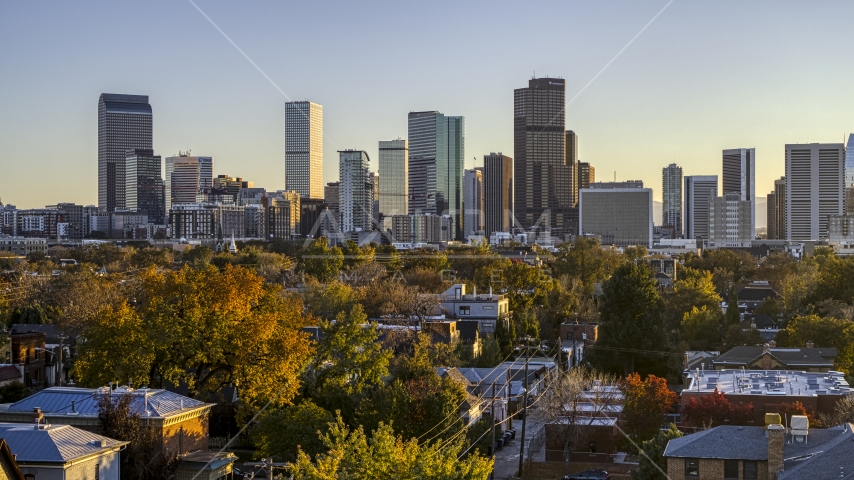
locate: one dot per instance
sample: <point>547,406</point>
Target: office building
<point>849,176</point>
<point>730,222</point>
<point>355,192</point>
<point>283,215</point>
<point>780,197</point>
<point>543,197</point>
<point>420,228</point>
<point>315,217</point>
<point>331,196</point>
<point>473,202</point>
<point>497,193</point>
<point>699,191</point>
<point>739,176</point>
<point>304,148</point>
<point>232,186</point>
<point>619,213</point>
<point>144,189</point>
<point>374,179</point>
<point>815,177</point>
<point>671,205</point>
<point>187,176</point>
<point>572,160</point>
<point>586,175</point>
<point>771,214</point>
<point>394,169</point>
<point>207,221</point>
<point>436,158</point>
<point>124,123</point>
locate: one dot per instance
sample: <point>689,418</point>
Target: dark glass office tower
<point>543,181</point>
<point>124,123</point>
<point>144,190</point>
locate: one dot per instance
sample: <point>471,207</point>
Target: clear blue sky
<point>703,77</point>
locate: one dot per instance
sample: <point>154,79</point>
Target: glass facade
<point>304,148</point>
<point>849,176</point>
<point>671,178</point>
<point>186,177</point>
<point>394,171</point>
<point>124,123</point>
<point>144,187</point>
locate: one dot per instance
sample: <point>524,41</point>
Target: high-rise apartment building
<point>232,186</point>
<point>187,176</point>
<point>619,213</point>
<point>730,221</point>
<point>144,189</point>
<point>355,192</point>
<point>497,193</point>
<point>124,123</point>
<point>394,170</point>
<point>815,178</point>
<point>586,175</point>
<point>332,196</point>
<point>542,180</point>
<point>473,202</point>
<point>304,148</point>
<point>849,176</point>
<point>572,159</point>
<point>699,191</point>
<point>436,158</point>
<point>739,176</point>
<point>671,205</point>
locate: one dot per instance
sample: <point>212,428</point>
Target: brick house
<point>28,351</point>
<point>182,422</point>
<point>769,357</point>
<point>762,453</point>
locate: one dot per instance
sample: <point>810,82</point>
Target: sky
<point>701,77</point>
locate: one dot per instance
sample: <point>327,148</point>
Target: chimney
<point>772,344</point>
<point>776,441</point>
<point>810,344</point>
<point>766,348</point>
<point>37,416</point>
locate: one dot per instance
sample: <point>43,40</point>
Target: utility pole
<point>492,445</point>
<point>525,413</point>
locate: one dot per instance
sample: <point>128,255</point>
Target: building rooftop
<point>793,357</point>
<point>53,443</point>
<point>769,383</point>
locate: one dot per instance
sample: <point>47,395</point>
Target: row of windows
<point>750,469</point>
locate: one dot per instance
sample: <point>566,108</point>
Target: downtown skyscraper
<point>497,193</point>
<point>671,206</point>
<point>394,171</point>
<point>739,177</point>
<point>473,202</point>
<point>304,148</point>
<point>144,190</point>
<point>186,176</point>
<point>699,192</point>
<point>124,123</point>
<point>815,177</point>
<point>543,181</point>
<point>356,191</point>
<point>436,158</point>
<point>849,176</point>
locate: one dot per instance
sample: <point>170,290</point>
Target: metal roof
<point>147,402</point>
<point>53,443</point>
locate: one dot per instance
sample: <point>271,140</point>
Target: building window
<point>730,469</point>
<point>750,471</point>
<point>465,310</point>
<point>692,467</point>
<point>97,471</point>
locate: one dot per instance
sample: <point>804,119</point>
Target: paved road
<point>507,459</point>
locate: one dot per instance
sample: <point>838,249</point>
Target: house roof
<point>10,467</point>
<point>53,443</point>
<point>9,372</point>
<point>825,454</point>
<point>52,332</point>
<point>147,402</point>
<point>789,356</point>
<point>753,293</point>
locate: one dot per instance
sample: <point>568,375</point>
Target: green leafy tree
<point>327,300</point>
<point>736,336</point>
<point>349,363</point>
<point>693,288</point>
<point>353,455</point>
<point>585,260</point>
<point>632,335</point>
<point>733,315</point>
<point>702,328</point>
<point>824,332</point>
<point>322,262</point>
<point>283,433</point>
<point>652,464</point>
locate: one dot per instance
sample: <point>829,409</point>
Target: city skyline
<point>678,118</point>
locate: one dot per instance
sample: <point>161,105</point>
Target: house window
<point>488,307</point>
<point>730,469</point>
<point>465,310</point>
<point>97,471</point>
<point>692,468</point>
<point>750,471</point>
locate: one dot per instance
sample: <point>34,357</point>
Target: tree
<point>144,458</point>
<point>645,404</point>
<point>715,409</point>
<point>327,300</point>
<point>563,406</point>
<point>702,328</point>
<point>732,315</point>
<point>842,413</point>
<point>735,336</point>
<point>353,455</point>
<point>205,328</point>
<point>634,253</point>
<point>652,464</point>
<point>693,288</point>
<point>631,328</point>
<point>824,332</point>
<point>322,262</point>
<point>13,391</point>
<point>586,260</point>
<point>348,364</point>
<point>283,433</point>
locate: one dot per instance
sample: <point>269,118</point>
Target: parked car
<point>593,474</point>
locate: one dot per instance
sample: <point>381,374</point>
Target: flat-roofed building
<point>619,213</point>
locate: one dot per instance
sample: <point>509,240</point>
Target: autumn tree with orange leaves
<point>205,328</point>
<point>645,404</point>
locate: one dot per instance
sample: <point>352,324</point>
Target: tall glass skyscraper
<point>355,192</point>
<point>143,184</point>
<point>436,156</point>
<point>394,171</point>
<point>124,123</point>
<point>543,180</point>
<point>304,148</point>
<point>497,193</point>
<point>671,206</point>
<point>699,192</point>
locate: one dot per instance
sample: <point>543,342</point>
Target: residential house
<point>182,422</point>
<point>60,452</point>
<point>772,452</point>
<point>486,309</point>
<point>751,296</point>
<point>8,466</point>
<point>473,407</point>
<point>28,351</point>
<point>769,357</point>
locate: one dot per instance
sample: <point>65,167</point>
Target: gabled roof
<point>788,356</point>
<point>53,443</point>
<point>9,466</point>
<point>157,403</point>
<point>10,372</point>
